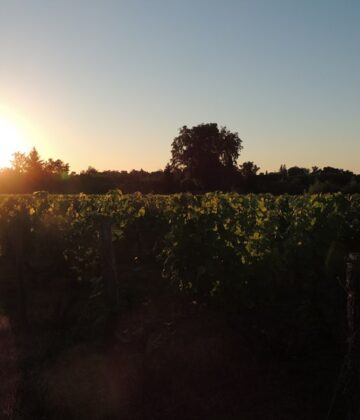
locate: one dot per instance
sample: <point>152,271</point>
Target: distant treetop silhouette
<point>206,154</point>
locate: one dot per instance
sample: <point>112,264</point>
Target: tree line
<point>203,158</point>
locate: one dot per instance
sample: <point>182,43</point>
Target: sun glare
<point>11,140</point>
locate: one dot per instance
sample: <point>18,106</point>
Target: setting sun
<point>11,140</point>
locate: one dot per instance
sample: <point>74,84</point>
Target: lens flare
<point>11,140</point>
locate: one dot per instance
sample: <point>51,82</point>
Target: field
<point>182,306</point>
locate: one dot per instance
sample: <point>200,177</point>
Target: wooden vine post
<point>19,254</point>
<point>110,276</point>
<point>352,381</point>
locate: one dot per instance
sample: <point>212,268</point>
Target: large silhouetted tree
<point>206,154</point>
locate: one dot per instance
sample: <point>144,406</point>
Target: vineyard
<point>271,268</point>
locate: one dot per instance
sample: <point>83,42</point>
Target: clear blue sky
<point>108,83</point>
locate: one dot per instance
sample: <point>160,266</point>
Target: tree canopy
<point>206,154</point>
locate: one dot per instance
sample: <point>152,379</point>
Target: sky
<point>109,83</point>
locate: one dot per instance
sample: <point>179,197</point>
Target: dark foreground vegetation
<point>219,306</point>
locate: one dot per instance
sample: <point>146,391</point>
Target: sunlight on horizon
<point>12,139</point>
